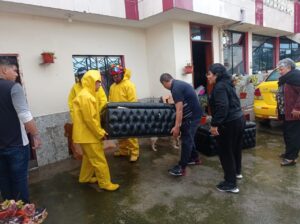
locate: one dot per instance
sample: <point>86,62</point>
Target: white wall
<point>47,86</point>
<point>229,9</point>
<point>276,19</point>
<point>103,7</point>
<point>149,8</point>
<point>161,56</point>
<point>182,48</point>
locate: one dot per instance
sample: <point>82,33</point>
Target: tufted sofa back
<point>123,120</point>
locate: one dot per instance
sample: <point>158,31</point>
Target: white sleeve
<point>20,103</point>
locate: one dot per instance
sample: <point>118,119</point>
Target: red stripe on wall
<point>246,53</point>
<point>132,9</point>
<point>167,4</point>
<point>259,12</point>
<point>184,4</point>
<point>276,49</point>
<point>297,17</point>
<point>181,4</point>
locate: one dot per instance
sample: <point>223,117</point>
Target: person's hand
<point>36,141</point>
<point>175,132</point>
<point>296,114</point>
<point>214,131</point>
<point>105,137</point>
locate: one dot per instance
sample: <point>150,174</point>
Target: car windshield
<point>274,76</point>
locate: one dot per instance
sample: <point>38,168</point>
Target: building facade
<point>148,36</point>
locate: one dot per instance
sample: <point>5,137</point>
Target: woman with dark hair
<point>227,125</point>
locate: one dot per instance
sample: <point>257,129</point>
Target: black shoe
<point>177,171</point>
<point>195,162</point>
<point>222,183</point>
<point>227,187</point>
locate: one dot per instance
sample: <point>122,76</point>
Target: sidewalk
<point>148,194</point>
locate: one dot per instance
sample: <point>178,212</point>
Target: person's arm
<point>179,111</point>
<point>89,115</point>
<point>71,97</point>
<point>296,107</point>
<point>221,109</point>
<point>24,115</point>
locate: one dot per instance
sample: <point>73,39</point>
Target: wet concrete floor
<point>148,194</point>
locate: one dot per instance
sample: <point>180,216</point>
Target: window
<point>200,32</point>
<point>234,44</point>
<point>99,62</point>
<point>289,49</point>
<point>262,53</point>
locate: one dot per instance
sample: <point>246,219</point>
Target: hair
<point>287,62</point>
<point>218,70</point>
<point>165,77</point>
<point>5,61</point>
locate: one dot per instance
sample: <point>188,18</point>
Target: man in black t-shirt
<point>188,115</point>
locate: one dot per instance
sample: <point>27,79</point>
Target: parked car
<point>265,106</point>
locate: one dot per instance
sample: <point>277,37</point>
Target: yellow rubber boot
<point>110,187</point>
<point>96,158</point>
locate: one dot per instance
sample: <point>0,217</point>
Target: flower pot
<point>188,69</point>
<point>48,58</point>
<point>243,95</point>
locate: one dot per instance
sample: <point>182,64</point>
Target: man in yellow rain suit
<point>123,90</point>
<point>89,134</point>
<point>101,96</point>
<point>77,87</point>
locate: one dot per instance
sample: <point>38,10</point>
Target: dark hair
<point>5,61</point>
<point>219,70</point>
<point>165,77</point>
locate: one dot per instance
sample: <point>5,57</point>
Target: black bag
<point>123,120</point>
<point>206,144</point>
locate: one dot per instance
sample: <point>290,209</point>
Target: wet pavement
<point>148,194</point>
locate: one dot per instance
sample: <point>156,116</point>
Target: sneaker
<point>239,176</point>
<point>225,187</point>
<point>195,162</point>
<point>177,171</point>
<point>287,162</point>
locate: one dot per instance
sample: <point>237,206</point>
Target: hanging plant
<point>48,57</point>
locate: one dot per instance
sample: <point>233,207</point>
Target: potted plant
<point>188,68</point>
<point>48,57</point>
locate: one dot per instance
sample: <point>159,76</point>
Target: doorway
<point>14,59</point>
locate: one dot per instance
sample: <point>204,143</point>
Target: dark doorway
<point>199,63</point>
<point>14,59</point>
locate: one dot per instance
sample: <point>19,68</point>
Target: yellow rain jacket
<point>86,114</point>
<point>77,87</point>
<point>123,91</point>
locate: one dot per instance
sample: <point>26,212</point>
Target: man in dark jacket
<point>15,121</point>
<point>288,104</point>
<point>227,125</point>
<point>188,115</point>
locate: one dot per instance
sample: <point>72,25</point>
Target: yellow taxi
<point>265,106</point>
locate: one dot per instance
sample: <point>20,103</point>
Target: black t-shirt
<point>184,92</point>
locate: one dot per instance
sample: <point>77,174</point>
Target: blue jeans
<point>14,172</point>
<point>188,149</point>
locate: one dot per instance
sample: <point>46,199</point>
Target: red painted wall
<point>181,4</point>
<point>259,12</point>
<point>297,17</point>
<point>132,9</point>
